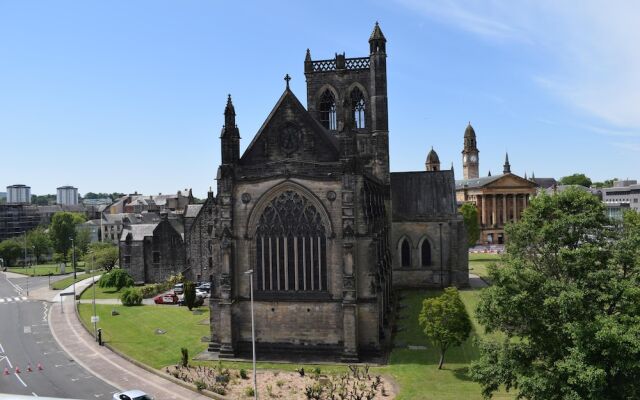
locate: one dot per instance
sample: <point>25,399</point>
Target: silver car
<point>132,395</point>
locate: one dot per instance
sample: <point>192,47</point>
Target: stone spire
<point>433,161</point>
<point>230,137</point>
<point>377,40</point>
<point>489,173</point>
<point>507,167</point>
<point>229,116</point>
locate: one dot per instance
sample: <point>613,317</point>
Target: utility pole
<point>253,337</point>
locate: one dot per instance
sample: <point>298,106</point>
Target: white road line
<point>20,379</point>
<point>9,362</point>
<point>1,300</point>
<point>9,299</point>
<point>16,298</point>
<point>23,298</point>
<point>16,287</point>
<point>34,394</point>
<point>1,348</point>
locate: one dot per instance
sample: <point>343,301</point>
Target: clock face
<point>473,158</point>
<point>289,139</point>
<point>465,158</point>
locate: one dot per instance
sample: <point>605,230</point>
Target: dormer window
<point>328,110</point>
<point>358,108</point>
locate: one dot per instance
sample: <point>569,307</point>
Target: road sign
<point>95,319</point>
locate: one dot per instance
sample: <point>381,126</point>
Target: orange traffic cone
<point>6,371</point>
<point>39,366</point>
<point>29,368</point>
<point>17,370</point>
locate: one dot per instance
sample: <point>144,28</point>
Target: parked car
<point>169,298</point>
<point>132,395</point>
<point>202,293</point>
<point>198,303</point>
<point>178,288</point>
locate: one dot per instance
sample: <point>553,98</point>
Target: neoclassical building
<point>311,213</point>
<point>500,199</point>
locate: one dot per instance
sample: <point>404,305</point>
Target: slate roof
<point>192,210</point>
<point>421,195</point>
<point>477,182</point>
<point>545,182</point>
<point>138,232</point>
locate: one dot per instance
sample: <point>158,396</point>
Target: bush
<point>243,374</point>
<point>131,297</point>
<point>189,294</point>
<point>152,290</point>
<point>249,392</point>
<point>200,385</point>
<point>117,278</point>
<point>185,357</point>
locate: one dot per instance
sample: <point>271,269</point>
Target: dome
<point>432,157</point>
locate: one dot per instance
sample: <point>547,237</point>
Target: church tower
<point>470,160</point>
<point>230,136</point>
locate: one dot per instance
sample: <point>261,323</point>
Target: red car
<point>169,298</point>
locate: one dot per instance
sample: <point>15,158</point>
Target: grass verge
<point>44,269</point>
<point>68,281</point>
<point>104,293</point>
<point>479,263</point>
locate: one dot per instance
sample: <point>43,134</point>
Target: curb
<point>151,369</point>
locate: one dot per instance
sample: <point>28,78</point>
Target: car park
<point>167,298</point>
<point>131,395</point>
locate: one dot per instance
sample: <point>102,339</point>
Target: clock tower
<point>470,160</point>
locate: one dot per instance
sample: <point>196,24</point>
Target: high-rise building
<point>67,196</point>
<point>18,194</point>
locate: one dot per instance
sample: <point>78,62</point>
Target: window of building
<point>358,108</point>
<point>425,253</point>
<point>156,257</point>
<point>210,263</point>
<point>405,253</point>
<point>291,246</point>
<point>328,110</point>
<point>127,260</point>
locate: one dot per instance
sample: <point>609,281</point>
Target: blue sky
<point>128,95</point>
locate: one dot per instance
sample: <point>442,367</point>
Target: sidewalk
<point>105,364</point>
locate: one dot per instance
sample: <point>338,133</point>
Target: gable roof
<point>423,194</point>
<point>138,232</point>
<point>192,210</point>
<point>487,180</point>
<point>288,98</point>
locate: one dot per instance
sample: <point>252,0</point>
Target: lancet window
<point>358,108</point>
<point>291,246</point>
<point>328,110</point>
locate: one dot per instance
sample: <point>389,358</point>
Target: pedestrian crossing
<point>16,299</point>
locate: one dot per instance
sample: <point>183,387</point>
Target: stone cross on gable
<point>287,78</point>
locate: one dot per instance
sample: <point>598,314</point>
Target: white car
<point>132,395</point>
<point>202,293</point>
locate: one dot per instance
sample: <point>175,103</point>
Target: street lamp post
<point>253,337</point>
<point>73,262</point>
<point>93,277</point>
<point>25,260</point>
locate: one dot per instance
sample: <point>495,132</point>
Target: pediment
<point>511,181</point>
<point>290,133</point>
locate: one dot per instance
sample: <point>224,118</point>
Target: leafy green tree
<point>189,294</point>
<point>103,255</point>
<point>63,229</point>
<point>445,321</point>
<point>131,297</point>
<point>566,301</point>
<point>576,179</point>
<point>38,240</point>
<point>83,239</point>
<point>117,278</point>
<point>10,251</point>
<point>605,184</point>
<point>470,215</point>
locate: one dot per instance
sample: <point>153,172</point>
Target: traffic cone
<point>17,370</point>
<point>29,368</point>
<point>6,371</point>
<point>39,366</point>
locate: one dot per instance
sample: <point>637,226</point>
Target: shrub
<point>249,392</point>
<point>219,390</point>
<point>131,297</point>
<point>243,374</point>
<point>117,278</point>
<point>185,357</point>
<point>200,385</point>
<point>189,294</point>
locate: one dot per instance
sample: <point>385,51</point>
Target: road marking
<point>34,394</point>
<point>16,287</point>
<point>20,379</point>
<point>23,298</point>
<point>9,299</point>
<point>27,329</point>
<point>16,298</point>
<point>1,300</point>
<point>1,348</point>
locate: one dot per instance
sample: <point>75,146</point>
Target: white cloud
<point>592,47</point>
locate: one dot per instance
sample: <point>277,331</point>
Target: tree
<point>606,184</point>
<point>189,294</point>
<point>445,321</point>
<point>83,239</point>
<point>117,278</point>
<point>63,229</point>
<point>102,255</point>
<point>576,179</point>
<point>470,215</point>
<point>38,239</point>
<point>10,251</point>
<point>567,303</point>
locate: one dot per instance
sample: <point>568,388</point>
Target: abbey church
<point>311,213</point>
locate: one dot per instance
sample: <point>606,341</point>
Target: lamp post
<point>25,260</point>
<point>93,278</point>
<point>73,263</point>
<point>33,252</point>
<point>249,273</point>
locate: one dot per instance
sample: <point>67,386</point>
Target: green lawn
<point>44,269</point>
<point>102,293</point>
<point>133,331</point>
<point>415,371</point>
<point>478,263</point>
<point>68,281</point>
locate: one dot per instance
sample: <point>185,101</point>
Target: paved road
<point>25,338</point>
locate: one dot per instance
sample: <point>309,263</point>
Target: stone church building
<point>312,214</point>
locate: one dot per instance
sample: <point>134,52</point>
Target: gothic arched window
<point>405,253</point>
<point>358,108</point>
<point>328,110</point>
<point>425,253</point>
<point>291,246</point>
